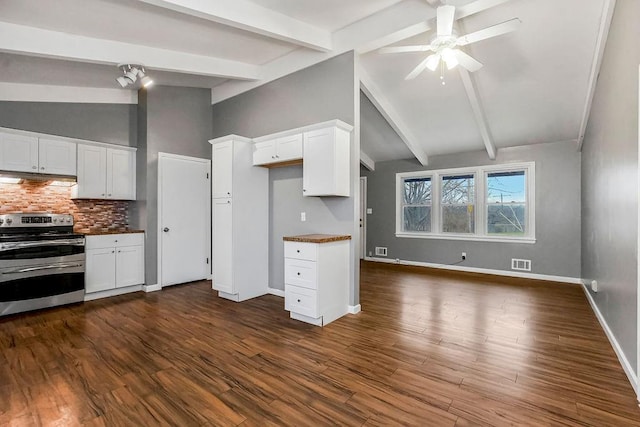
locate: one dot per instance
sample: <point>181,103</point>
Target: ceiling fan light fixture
<point>433,61</point>
<point>449,57</point>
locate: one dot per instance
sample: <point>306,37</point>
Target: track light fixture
<point>131,73</point>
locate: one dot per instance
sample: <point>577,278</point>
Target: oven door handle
<point>42,267</point>
<point>23,245</point>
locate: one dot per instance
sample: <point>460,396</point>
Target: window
<point>457,202</point>
<point>506,203</point>
<point>490,203</point>
<point>416,204</point>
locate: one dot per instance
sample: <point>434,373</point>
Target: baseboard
<point>355,309</point>
<point>276,292</point>
<point>152,288</point>
<point>519,274</point>
<point>112,292</point>
<point>633,378</point>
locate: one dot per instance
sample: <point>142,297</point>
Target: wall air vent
<point>521,264</point>
<point>380,251</point>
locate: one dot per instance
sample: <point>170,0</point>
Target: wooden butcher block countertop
<point>316,238</point>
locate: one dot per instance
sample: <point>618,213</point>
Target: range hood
<point>38,176</point>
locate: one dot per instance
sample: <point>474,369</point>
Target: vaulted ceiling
<point>536,84</point>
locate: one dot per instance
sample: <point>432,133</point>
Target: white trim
<point>367,161</point>
<point>23,92</point>
<point>471,88</point>
<point>314,126</point>
<point>65,138</point>
<point>534,276</point>
<point>151,288</point>
<point>355,309</point>
<point>605,23</point>
<point>112,292</point>
<point>254,18</point>
<point>276,292</point>
<point>480,174</point>
<point>633,378</point>
<point>162,155</point>
<point>362,212</point>
<point>637,249</point>
<point>232,136</point>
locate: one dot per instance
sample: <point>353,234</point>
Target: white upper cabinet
<point>57,157</point>
<point>105,173</point>
<point>18,153</point>
<point>326,170</point>
<point>277,150</point>
<point>222,170</point>
<point>24,153</point>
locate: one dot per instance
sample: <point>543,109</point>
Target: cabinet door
<point>222,169</point>
<point>223,245</point>
<point>57,157</point>
<point>318,170</point>
<point>100,272</point>
<point>289,148</point>
<point>129,266</point>
<point>120,175</point>
<point>264,152</point>
<point>92,172</point>
<point>18,153</point>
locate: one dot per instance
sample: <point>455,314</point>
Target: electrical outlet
<point>464,256</point>
<point>369,211</point>
<point>370,253</point>
<point>594,285</point>
<point>303,216</point>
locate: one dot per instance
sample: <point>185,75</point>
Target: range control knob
<point>69,220</point>
<point>9,221</point>
<point>1,221</point>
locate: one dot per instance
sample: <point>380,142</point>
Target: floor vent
<point>380,251</point>
<point>521,264</point>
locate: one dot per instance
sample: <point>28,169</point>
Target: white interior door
<point>184,218</point>
<point>363,216</point>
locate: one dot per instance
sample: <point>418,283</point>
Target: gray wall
<point>610,181</point>
<point>172,120</point>
<point>111,123</point>
<point>316,94</point>
<point>557,249</point>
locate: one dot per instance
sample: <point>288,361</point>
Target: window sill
<point>468,237</point>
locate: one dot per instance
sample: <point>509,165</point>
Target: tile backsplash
<point>45,196</point>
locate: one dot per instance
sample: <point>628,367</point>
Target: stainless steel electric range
<point>41,262</point>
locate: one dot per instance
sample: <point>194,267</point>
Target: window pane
<point>417,218</point>
<point>417,191</point>
<point>458,219</point>
<point>457,189</point>
<point>506,203</point>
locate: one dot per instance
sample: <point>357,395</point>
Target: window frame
<point>474,202</point>
<point>481,195</point>
<point>403,205</point>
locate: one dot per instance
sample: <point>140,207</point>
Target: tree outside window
<point>457,201</point>
<point>416,204</point>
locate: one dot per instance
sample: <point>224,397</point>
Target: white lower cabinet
<point>114,261</point>
<point>316,277</point>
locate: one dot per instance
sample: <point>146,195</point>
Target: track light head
<point>131,73</point>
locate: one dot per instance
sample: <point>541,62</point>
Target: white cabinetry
<point>114,261</point>
<point>240,220</point>
<point>326,170</point>
<point>277,150</point>
<point>105,173</point>
<point>316,277</point>
<point>23,153</point>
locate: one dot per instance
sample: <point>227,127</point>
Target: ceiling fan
<point>446,44</point>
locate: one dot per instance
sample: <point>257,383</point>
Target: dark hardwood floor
<point>427,350</point>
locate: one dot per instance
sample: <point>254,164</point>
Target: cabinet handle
<point>228,201</point>
<point>298,299</point>
<point>42,168</point>
<point>298,273</point>
<point>298,250</point>
<point>109,194</point>
<point>113,252</point>
<point>303,190</point>
<point>119,251</point>
<point>34,167</point>
<point>116,241</point>
<point>102,194</point>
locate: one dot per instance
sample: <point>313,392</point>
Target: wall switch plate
<point>369,211</point>
<point>594,285</point>
<point>303,216</point>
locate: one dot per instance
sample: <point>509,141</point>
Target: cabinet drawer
<point>299,250</point>
<point>114,240</point>
<point>301,300</point>
<point>300,272</point>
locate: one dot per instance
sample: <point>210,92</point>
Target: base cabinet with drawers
<point>316,275</point>
<point>114,261</point>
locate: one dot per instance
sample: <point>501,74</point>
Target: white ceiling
<point>534,86</point>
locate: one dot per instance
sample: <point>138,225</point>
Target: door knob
<point>166,229</point>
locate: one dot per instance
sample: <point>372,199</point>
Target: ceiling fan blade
<point>403,49</point>
<point>467,61</point>
<point>445,17</point>
<point>419,69</point>
<point>493,31</point>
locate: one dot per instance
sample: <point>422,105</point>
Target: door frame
<point>363,212</point>
<point>167,156</point>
